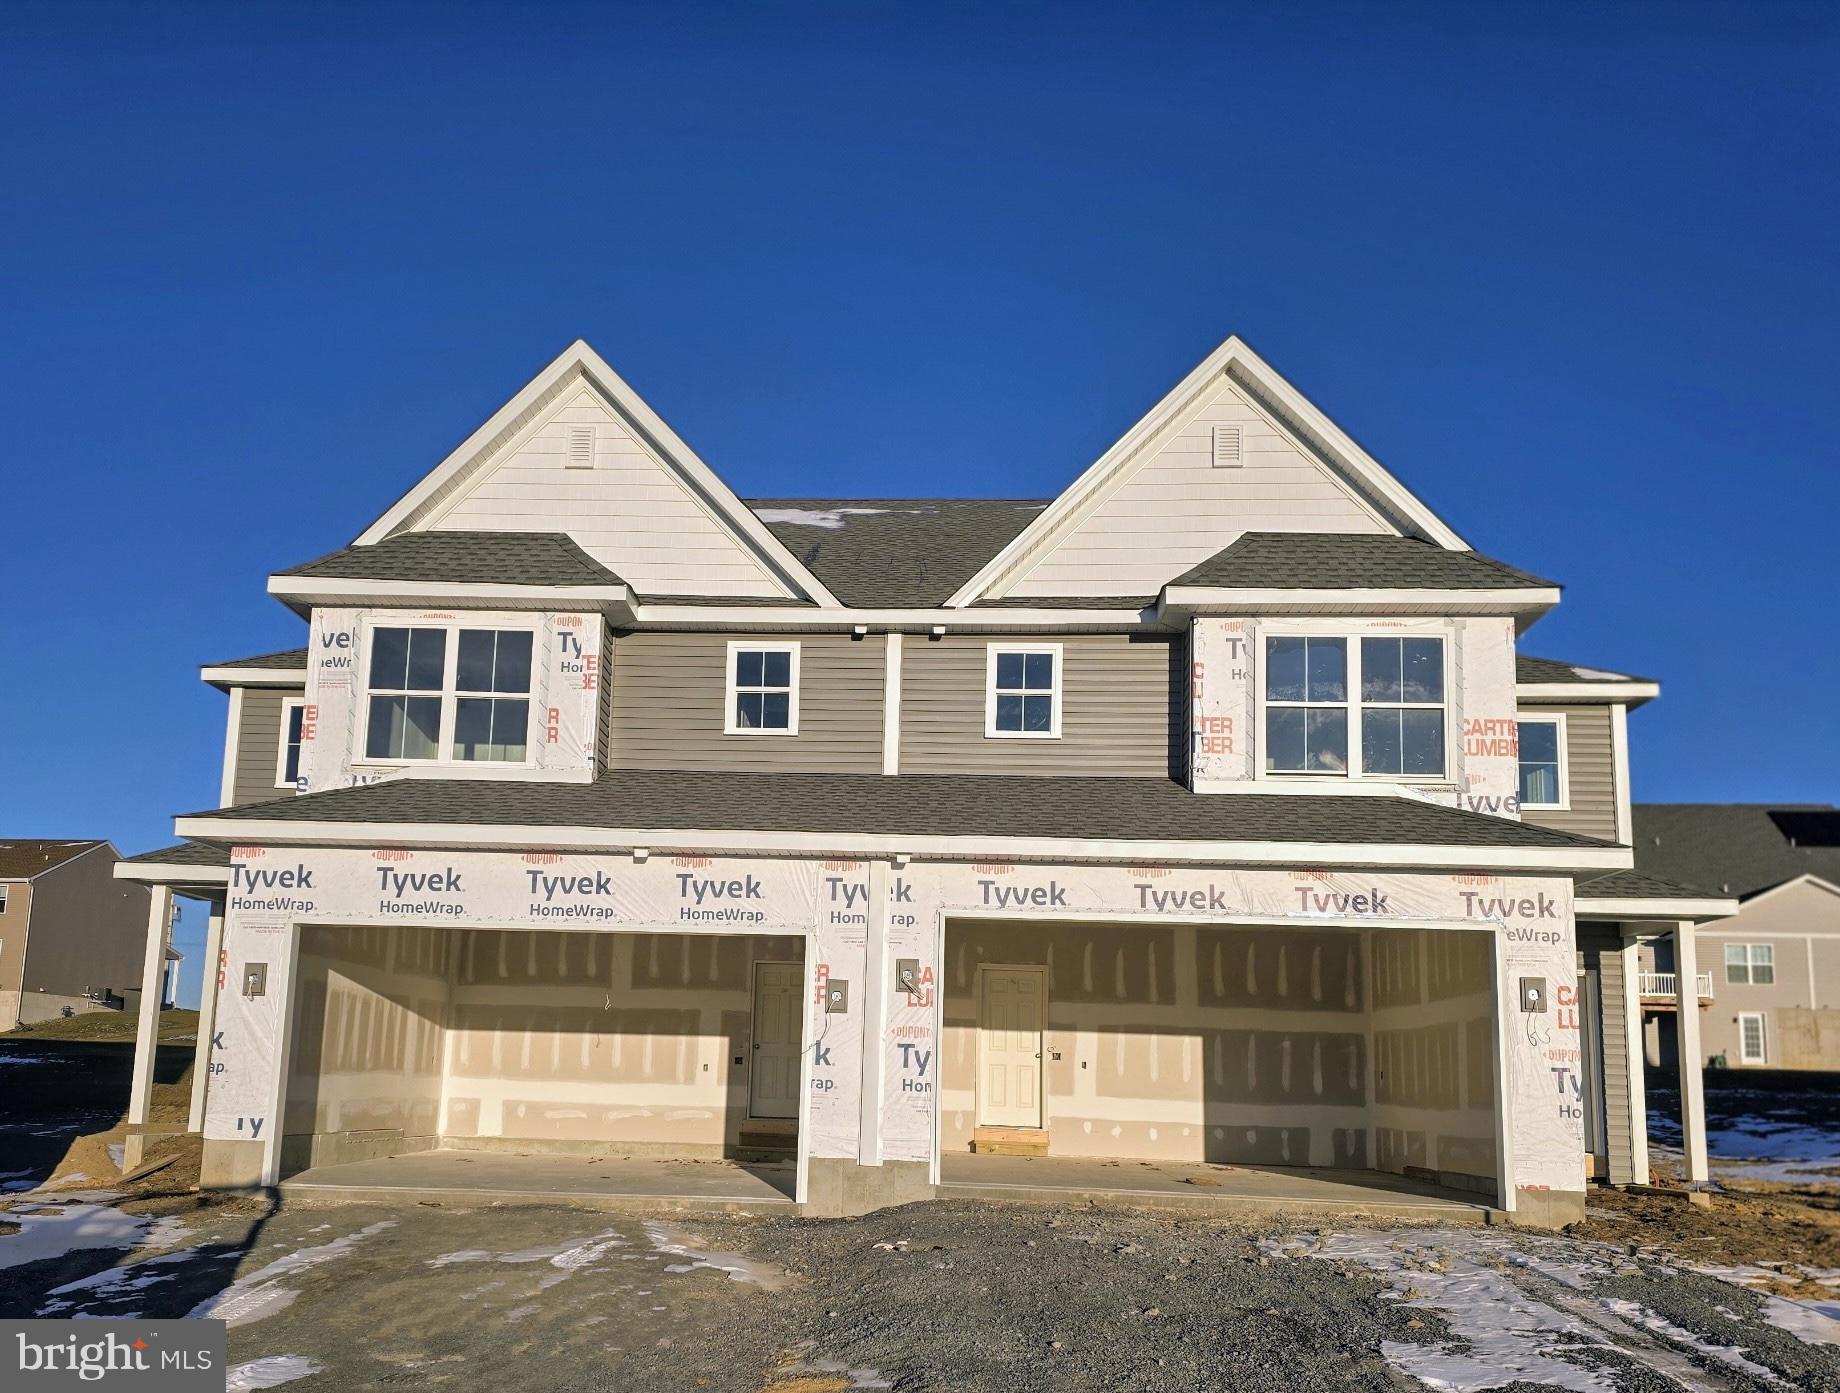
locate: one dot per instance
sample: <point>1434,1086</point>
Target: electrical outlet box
<point>1533,994</point>
<point>907,974</point>
<point>837,996</point>
<point>255,979</point>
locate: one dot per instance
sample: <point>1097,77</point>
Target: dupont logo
<point>693,863</point>
<point>841,865</point>
<point>154,1356</point>
<point>391,855</point>
<point>1149,872</point>
<point>542,858</point>
<point>247,853</point>
<point>993,867</point>
<point>1310,875</point>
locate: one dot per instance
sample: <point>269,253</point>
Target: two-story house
<point>1207,812</point>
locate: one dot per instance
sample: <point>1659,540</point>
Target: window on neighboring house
<point>287,765</point>
<point>1022,691</point>
<point>1752,963</point>
<point>1391,690</point>
<point>2,899</point>
<point>1752,1044</point>
<point>1542,746</point>
<point>763,689</point>
<point>449,694</point>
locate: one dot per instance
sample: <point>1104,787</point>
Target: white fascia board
<point>325,590</point>
<point>172,875</point>
<point>747,617</point>
<point>1627,693</point>
<point>578,357</point>
<point>1180,601</point>
<point>1687,908</point>
<point>225,678</point>
<point>1077,495</point>
<point>250,830</point>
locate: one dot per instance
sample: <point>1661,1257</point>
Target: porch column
<point>1637,1065</point>
<point>207,1017</point>
<point>147,1038</point>
<point>874,997</point>
<point>1692,1084</point>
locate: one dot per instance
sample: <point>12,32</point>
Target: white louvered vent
<point>1229,447</point>
<point>580,454</point>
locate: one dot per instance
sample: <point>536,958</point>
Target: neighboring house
<point>1769,976</point>
<point>1207,812</point>
<point>71,934</point>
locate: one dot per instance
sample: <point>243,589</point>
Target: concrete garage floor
<point>1226,1190</point>
<point>490,1177</point>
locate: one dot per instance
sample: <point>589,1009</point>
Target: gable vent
<point>1229,447</point>
<point>580,453</point>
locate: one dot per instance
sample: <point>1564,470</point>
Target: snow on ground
<point>50,1230</point>
<point>567,1257</point>
<point>262,1292</point>
<point>271,1372</point>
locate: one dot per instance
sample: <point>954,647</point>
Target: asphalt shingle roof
<point>1548,671</point>
<point>1345,561</point>
<point>184,854</point>
<point>23,859</point>
<point>895,552</point>
<point>1738,848</point>
<point>1637,885</point>
<point>286,660</point>
<point>1146,809</point>
<point>465,558</point>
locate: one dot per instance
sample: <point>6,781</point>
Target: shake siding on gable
<point>627,511</point>
<point>1178,509</point>
<point>258,745</point>
<point>1121,709</point>
<point>1591,771</point>
<point>670,691</point>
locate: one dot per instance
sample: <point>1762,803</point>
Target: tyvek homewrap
<point>827,901</point>
<point>564,693</point>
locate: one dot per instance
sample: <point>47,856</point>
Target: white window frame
<point>1353,706</point>
<point>1556,718</point>
<point>1763,1038</point>
<point>289,705</point>
<point>1055,692</point>
<point>3,893</point>
<point>730,690</point>
<point>1752,953</point>
<point>448,696</point>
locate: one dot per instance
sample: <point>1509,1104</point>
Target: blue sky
<point>1569,271</point>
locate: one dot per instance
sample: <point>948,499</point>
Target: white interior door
<point>773,1079</point>
<point>1011,1003</point>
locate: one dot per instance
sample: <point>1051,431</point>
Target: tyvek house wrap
<point>1483,755</point>
<point>564,693</point>
<point>827,902</point>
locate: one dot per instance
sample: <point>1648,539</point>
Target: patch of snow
<point>832,518</point>
<point>567,1257</point>
<point>1596,674</point>
<point>261,1294</point>
<point>739,1268</point>
<point>21,1059</point>
<point>111,1284</point>
<point>270,1372</point>
<point>118,1155</point>
<point>52,1230</point>
<point>1638,1314</point>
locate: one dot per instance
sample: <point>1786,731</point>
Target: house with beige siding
<point>1212,815</point>
<point>71,934</point>
<point>1769,975</point>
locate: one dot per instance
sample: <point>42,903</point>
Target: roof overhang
<point>165,873</point>
<point>302,593</point>
<point>1555,860</point>
<point>663,614</point>
<point>1181,602</point>
<point>1571,693</point>
<point>224,678</point>
<point>1696,909</point>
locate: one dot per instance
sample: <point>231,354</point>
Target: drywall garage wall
<point>1178,1042</point>
<point>578,1041</point>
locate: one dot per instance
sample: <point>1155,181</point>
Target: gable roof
<point>465,558</point>
<point>1235,361</point>
<point>23,859</point>
<point>1351,561</point>
<point>1738,848</point>
<point>580,363</point>
<point>287,660</point>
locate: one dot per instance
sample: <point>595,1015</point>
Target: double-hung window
<point>763,689</point>
<point>439,694</point>
<point>1353,707</point>
<point>1542,754</point>
<point>287,765</point>
<point>1750,964</point>
<point>1022,691</point>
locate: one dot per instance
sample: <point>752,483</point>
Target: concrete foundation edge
<point>836,1189</point>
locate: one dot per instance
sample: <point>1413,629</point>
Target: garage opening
<point>1352,1050</point>
<point>536,1043</point>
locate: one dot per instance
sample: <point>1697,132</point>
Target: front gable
<point>1233,449</point>
<point>578,452</point>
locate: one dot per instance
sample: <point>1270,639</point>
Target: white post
<point>874,997</point>
<point>1635,1048</point>
<point>207,1019</point>
<point>891,704</point>
<point>147,1038</point>
<point>1692,1084</point>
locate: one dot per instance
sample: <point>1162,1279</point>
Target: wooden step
<point>1010,1141</point>
<point>764,1145</point>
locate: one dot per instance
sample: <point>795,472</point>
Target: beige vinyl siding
<point>1600,949</point>
<point>258,744</point>
<point>1120,708</point>
<point>1178,509</point>
<point>1590,773</point>
<point>670,693</point>
<point>629,511</point>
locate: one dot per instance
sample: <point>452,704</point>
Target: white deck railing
<point>1668,984</point>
